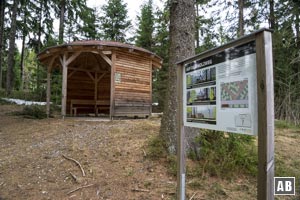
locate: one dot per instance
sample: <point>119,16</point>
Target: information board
<point>220,91</point>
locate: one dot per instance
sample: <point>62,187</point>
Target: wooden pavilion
<point>102,76</point>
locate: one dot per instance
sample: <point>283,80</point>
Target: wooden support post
<point>112,85</point>
<point>265,90</point>
<point>64,85</point>
<point>151,99</point>
<point>49,69</point>
<point>180,138</point>
<point>48,91</point>
<point>96,86</point>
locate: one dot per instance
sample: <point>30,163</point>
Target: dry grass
<point>113,156</point>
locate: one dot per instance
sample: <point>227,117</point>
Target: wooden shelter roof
<point>50,56</point>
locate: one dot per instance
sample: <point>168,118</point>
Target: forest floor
<point>113,155</point>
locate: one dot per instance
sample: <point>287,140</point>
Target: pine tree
<point>71,13</point>
<point>2,8</point>
<point>161,48</point>
<point>146,27</point>
<point>182,45</point>
<point>114,21</point>
<point>11,50</point>
<point>89,28</point>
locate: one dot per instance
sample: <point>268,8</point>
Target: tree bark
<point>182,45</point>
<point>272,15</point>
<point>241,18</point>
<point>2,7</point>
<point>11,50</point>
<point>197,26</point>
<point>22,57</point>
<point>297,27</point>
<point>61,22</point>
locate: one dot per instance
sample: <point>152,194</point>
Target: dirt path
<point>32,166</point>
<point>112,155</point>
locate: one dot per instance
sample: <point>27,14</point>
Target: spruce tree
<point>146,27</point>
<point>114,22</point>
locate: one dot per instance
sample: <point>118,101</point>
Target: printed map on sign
<point>235,94</point>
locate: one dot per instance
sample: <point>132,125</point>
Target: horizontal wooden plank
<point>135,81</point>
<point>121,86</point>
<point>127,65</point>
<point>140,92</point>
<point>132,55</point>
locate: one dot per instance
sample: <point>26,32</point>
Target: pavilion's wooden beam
<point>106,52</point>
<point>112,86</point>
<point>64,85</point>
<point>48,90</point>
<point>91,76</point>
<point>73,57</point>
<point>96,87</point>
<point>86,70</point>
<point>61,60</point>
<point>105,58</point>
<point>71,74</point>
<point>101,77</point>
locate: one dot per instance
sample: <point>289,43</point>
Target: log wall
<point>133,89</point>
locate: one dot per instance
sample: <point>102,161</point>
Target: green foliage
<point>161,48</point>
<point>156,148</point>
<point>4,102</point>
<point>114,21</point>
<point>281,124</point>
<point>146,27</point>
<point>24,95</point>
<point>33,112</point>
<point>172,164</point>
<point>225,155</point>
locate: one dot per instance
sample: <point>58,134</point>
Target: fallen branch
<point>78,163</point>
<point>193,195</point>
<point>145,154</point>
<point>79,188</point>
<point>139,190</point>
<point>74,177</point>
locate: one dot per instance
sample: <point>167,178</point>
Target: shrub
<point>226,154</point>
<point>4,102</point>
<point>33,112</point>
<point>156,148</point>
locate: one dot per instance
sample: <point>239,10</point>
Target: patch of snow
<point>23,102</point>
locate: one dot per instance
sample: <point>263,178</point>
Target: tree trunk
<point>182,45</point>
<point>39,47</point>
<point>22,57</point>
<point>272,15</point>
<point>61,22</point>
<point>2,7</point>
<point>241,18</point>
<point>297,26</point>
<point>197,26</point>
<point>11,50</point>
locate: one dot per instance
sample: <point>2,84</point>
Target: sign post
<point>230,88</point>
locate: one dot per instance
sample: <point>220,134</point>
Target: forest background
<point>217,22</point>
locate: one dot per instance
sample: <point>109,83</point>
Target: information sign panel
<point>220,91</point>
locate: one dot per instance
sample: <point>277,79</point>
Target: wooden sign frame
<point>265,116</point>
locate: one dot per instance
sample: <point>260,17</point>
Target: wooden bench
<point>97,105</point>
<point>101,105</point>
